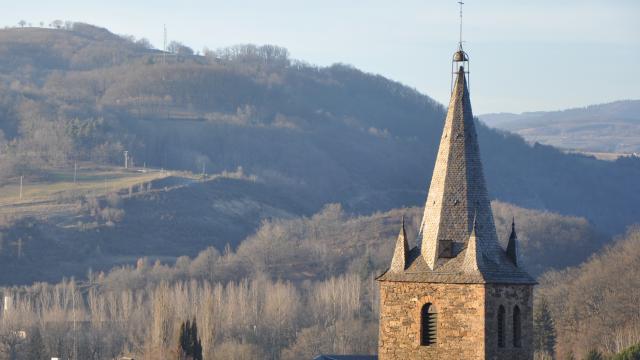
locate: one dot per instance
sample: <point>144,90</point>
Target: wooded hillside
<point>595,305</point>
<point>334,133</point>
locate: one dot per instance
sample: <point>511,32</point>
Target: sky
<point>525,55</point>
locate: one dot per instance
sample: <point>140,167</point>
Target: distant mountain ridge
<point>610,127</point>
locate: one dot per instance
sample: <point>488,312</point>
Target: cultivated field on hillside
<point>58,193</point>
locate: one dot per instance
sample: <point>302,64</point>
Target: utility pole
<point>18,244</point>
<point>21,178</point>
<point>73,300</point>
<point>164,47</point>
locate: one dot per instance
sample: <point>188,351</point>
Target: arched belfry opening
<point>517,327</point>
<point>501,326</point>
<point>428,325</point>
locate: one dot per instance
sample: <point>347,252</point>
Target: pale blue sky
<point>525,55</point>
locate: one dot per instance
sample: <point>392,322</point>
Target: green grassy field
<point>58,192</point>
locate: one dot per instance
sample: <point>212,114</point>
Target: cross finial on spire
<point>461,3</point>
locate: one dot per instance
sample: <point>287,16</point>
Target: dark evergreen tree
<point>182,341</point>
<point>190,346</point>
<point>544,331</point>
<point>195,344</point>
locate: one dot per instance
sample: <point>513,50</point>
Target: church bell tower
<point>458,294</point>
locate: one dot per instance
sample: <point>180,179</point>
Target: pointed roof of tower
<point>457,190</point>
<point>457,196</point>
<point>399,260</point>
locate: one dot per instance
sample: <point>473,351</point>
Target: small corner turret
<point>399,261</point>
<point>473,255</point>
<point>512,252</point>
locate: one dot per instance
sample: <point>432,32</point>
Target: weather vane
<point>461,3</point>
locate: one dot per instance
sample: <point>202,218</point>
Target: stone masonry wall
<point>467,321</point>
<point>461,321</point>
<point>509,296</point>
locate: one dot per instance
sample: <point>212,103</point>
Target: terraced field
<point>58,193</point>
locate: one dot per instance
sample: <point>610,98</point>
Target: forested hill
<point>328,134</point>
<point>595,305</point>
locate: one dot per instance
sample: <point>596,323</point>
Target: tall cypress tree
<point>182,341</point>
<point>544,331</point>
<point>190,344</point>
<point>196,345</point>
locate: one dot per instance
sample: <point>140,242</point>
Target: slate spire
<point>512,252</point>
<point>399,261</point>
<point>458,191</point>
<point>457,240</point>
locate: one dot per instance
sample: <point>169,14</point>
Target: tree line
<point>257,317</point>
<point>293,289</point>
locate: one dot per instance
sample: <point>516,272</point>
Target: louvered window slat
<point>429,325</point>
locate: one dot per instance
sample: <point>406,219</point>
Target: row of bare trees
<point>253,317</point>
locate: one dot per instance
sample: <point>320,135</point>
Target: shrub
<point>631,353</point>
<point>112,215</point>
<point>594,354</point>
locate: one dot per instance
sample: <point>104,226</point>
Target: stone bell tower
<point>458,294</point>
